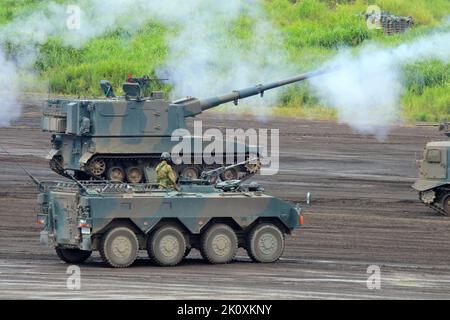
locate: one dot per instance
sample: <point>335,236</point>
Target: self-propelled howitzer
<point>119,138</point>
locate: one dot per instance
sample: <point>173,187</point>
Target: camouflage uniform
<point>165,176</point>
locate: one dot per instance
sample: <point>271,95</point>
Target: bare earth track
<point>364,212</point>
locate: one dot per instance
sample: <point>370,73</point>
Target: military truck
<point>120,219</point>
<point>116,138</point>
<point>433,184</point>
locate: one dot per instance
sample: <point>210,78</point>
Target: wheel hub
<point>98,167</point>
<point>121,247</point>
<point>190,172</point>
<point>169,246</point>
<point>221,245</point>
<point>134,175</point>
<point>116,174</point>
<point>230,174</point>
<point>268,244</point>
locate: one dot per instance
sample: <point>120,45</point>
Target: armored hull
<point>121,138</point>
<point>120,219</point>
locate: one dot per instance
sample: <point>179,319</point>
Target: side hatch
<point>65,214</point>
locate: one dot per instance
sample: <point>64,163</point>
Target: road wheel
<point>97,167</point>
<point>190,172</point>
<point>167,245</point>
<point>72,255</point>
<point>134,175</point>
<point>265,243</point>
<point>119,247</point>
<point>219,244</point>
<point>253,167</point>
<point>214,178</point>
<point>446,204</point>
<point>229,174</point>
<point>116,173</point>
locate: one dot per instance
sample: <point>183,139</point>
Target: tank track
<point>55,165</point>
<point>248,171</point>
<point>434,205</point>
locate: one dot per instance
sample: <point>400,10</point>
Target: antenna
<point>71,177</point>
<point>36,181</point>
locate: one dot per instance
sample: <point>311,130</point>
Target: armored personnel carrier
<point>119,219</point>
<point>118,137</point>
<point>433,184</point>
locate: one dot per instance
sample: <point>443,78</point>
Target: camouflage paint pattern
<point>434,177</point>
<point>64,205</point>
<point>433,168</point>
<point>134,128</point>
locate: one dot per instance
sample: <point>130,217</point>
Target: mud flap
<point>86,243</point>
<point>52,153</point>
<point>44,238</point>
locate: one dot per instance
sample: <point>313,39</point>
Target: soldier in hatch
<point>165,176</point>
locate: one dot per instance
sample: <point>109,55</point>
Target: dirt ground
<point>364,213</point>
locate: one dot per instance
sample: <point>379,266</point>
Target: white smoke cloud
<point>366,89</point>
<point>9,91</point>
<point>202,59</point>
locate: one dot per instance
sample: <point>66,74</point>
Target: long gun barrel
<point>194,106</point>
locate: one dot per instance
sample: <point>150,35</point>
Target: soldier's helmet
<point>165,156</point>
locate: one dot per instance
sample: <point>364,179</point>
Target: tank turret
<point>117,138</point>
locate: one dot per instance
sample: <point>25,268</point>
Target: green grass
<point>425,12</point>
<point>313,31</point>
<point>11,8</point>
<point>111,57</point>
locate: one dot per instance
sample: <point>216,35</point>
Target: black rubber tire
<point>110,253</point>
<point>219,235</point>
<point>72,255</point>
<point>274,235</point>
<point>446,204</point>
<point>162,241</point>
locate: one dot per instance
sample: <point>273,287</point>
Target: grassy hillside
<point>313,30</point>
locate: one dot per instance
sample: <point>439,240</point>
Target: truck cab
<point>434,176</point>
